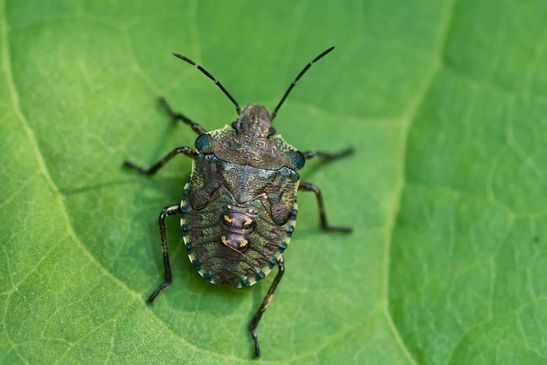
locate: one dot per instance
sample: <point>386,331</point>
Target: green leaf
<point>445,103</point>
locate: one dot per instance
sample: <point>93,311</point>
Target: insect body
<point>238,211</point>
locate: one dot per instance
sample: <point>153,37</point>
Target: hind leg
<point>265,303</point>
<point>167,211</point>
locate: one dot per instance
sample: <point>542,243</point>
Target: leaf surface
<point>444,102</point>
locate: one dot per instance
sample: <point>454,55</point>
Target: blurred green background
<point>444,101</point>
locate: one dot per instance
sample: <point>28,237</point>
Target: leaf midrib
<point>391,218</point>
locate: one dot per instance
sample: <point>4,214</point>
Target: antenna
<point>206,73</point>
<point>306,68</point>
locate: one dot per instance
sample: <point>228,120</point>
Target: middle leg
<point>158,165</point>
<point>304,186</point>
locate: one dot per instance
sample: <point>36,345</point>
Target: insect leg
<point>265,303</point>
<point>167,211</point>
<point>304,186</point>
<point>183,118</point>
<point>158,165</point>
<point>328,156</point>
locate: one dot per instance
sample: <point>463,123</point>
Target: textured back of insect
<point>237,219</point>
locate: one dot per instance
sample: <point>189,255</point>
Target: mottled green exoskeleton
<point>238,211</point>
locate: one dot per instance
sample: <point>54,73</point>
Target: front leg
<point>265,303</point>
<point>304,186</point>
<point>328,156</point>
<point>183,118</point>
<point>158,165</point>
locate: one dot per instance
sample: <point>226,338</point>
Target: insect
<point>239,209</point>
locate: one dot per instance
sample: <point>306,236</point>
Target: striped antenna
<point>306,68</point>
<point>206,73</point>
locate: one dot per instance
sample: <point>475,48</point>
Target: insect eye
<point>297,159</point>
<point>228,220</point>
<point>203,142</point>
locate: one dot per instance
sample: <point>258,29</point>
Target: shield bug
<point>238,210</point>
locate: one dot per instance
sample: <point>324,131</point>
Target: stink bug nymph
<point>238,210</point>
